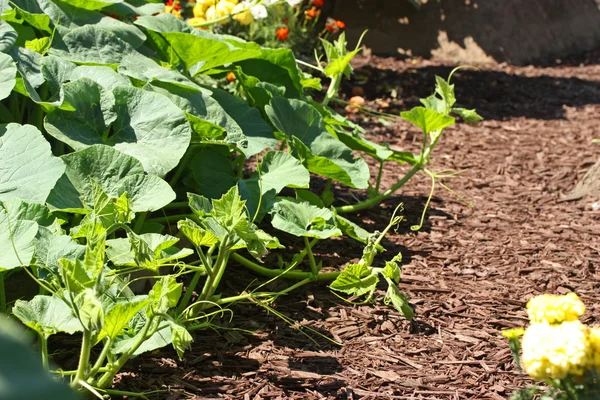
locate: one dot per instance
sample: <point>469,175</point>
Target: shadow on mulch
<point>497,95</point>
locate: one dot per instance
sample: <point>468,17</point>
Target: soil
<point>468,272</point>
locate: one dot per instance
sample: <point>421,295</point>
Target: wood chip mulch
<point>469,271</point>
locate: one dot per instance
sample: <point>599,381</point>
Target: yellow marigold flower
<point>195,21</point>
<point>244,18</point>
<point>555,351</point>
<point>555,309</point>
<point>199,10</point>
<point>514,333</point>
<point>594,339</point>
<point>225,7</point>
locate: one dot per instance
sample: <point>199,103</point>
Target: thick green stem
<point>333,89</point>
<point>177,204</point>
<point>84,358</point>
<point>107,379</point>
<point>98,364</point>
<point>44,350</point>
<point>188,293</point>
<point>214,276</point>
<point>283,273</point>
<point>311,257</point>
<point>2,294</point>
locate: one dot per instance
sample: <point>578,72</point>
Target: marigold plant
<point>557,349</point>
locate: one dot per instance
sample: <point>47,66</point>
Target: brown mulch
<point>469,271</point>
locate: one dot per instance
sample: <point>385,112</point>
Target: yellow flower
<point>555,351</point>
<point>225,7</point>
<point>222,9</point>
<point>195,21</point>
<point>514,333</point>
<point>199,10</point>
<point>555,309</point>
<point>594,339</point>
<point>244,18</point>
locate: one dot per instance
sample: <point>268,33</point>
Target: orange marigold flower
<point>231,77</point>
<point>331,26</point>
<point>340,24</point>
<point>283,33</point>
<point>318,3</point>
<point>310,14</point>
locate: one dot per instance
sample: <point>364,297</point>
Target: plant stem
<point>177,204</point>
<point>170,218</point>
<point>139,222</point>
<point>188,292</point>
<point>311,257</point>
<point>282,273</point>
<point>84,358</point>
<point>332,90</point>
<point>379,174</point>
<point>44,350</point>
<point>101,358</point>
<point>182,167</point>
<point>106,379</point>
<point>214,277</point>
<point>2,294</point>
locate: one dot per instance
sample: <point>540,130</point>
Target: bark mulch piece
<point>469,271</point>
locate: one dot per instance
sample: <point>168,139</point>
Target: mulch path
<point>469,271</point>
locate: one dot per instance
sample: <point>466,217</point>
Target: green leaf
<point>93,4</point>
<point>200,54</point>
<point>50,247</point>
<point>399,301</point>
<point>47,315</point>
<point>16,238</point>
<point>116,173</point>
<point>106,77</point>
<point>165,294</point>
<point>446,92</point>
<point>40,45</point>
<point>356,280</point>
<point>8,37</point>
<point>158,250</point>
<point>258,134</point>
<point>119,316</point>
<point>351,229</point>
<point>19,210</point>
<point>392,269</point>
<point>320,152</point>
<point>29,170</point>
<point>427,120</point>
<point>91,44</point>
<point>181,338</point>
<point>229,209</point>
<point>200,205</point>
<point>146,70</point>
<point>23,376</point>
<point>301,218</point>
<point>8,71</point>
<point>277,67</point>
<point>213,173</point>
<point>279,169</point>
<point>197,235</point>
<point>341,65</point>
<point>91,313</point>
<point>469,116</point>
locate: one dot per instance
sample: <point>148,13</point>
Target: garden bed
<point>469,271</point>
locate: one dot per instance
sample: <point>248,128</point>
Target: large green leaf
<point>320,152</point>
<point>19,210</point>
<point>8,36</point>
<point>8,71</point>
<point>50,247</point>
<point>29,170</point>
<point>16,238</point>
<point>107,77</point>
<point>146,70</point>
<point>47,315</point>
<point>257,133</point>
<point>277,67</point>
<point>23,376</point>
<point>201,54</point>
<point>146,125</point>
<point>213,173</point>
<point>301,218</point>
<point>159,250</point>
<point>165,294</point>
<point>116,173</point>
<point>279,169</point>
<point>428,120</point>
<point>92,44</point>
